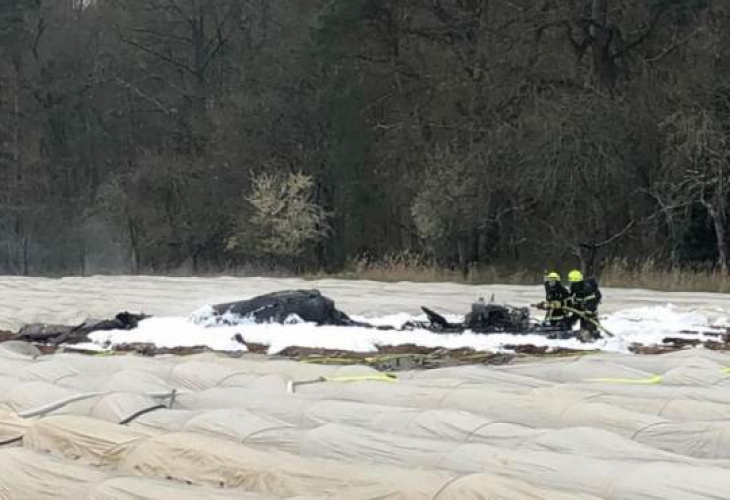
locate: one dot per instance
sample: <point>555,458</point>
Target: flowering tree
<point>282,217</point>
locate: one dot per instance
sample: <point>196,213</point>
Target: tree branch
<point>641,38</point>
<point>620,234</point>
<point>144,95</point>
<point>159,55</point>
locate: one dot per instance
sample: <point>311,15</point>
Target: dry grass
<point>414,267</point>
<point>403,266</point>
<point>408,266</point>
<point>652,276</point>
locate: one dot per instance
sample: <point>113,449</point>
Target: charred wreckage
<point>312,307</point>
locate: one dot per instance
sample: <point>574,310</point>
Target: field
<point>240,425</point>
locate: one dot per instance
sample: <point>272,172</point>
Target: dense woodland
<point>159,135</point>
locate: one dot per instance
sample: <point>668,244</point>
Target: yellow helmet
<point>575,276</point>
<point>553,276</point>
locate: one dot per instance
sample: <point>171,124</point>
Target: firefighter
<point>555,296</point>
<point>585,296</point>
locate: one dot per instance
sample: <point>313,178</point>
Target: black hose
<point>135,416</point>
<point>11,441</point>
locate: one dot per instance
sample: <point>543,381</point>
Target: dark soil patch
<point>5,336</point>
<point>145,349</point>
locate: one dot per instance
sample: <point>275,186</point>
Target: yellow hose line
<point>388,357</point>
<point>384,377</point>
<point>656,379</point>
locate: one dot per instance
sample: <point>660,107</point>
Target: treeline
<point>158,135</point>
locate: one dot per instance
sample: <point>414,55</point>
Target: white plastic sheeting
<point>606,426</point>
<point>196,458</point>
<point>32,476</point>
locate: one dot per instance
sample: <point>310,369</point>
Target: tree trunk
<point>134,244</point>
<point>26,256</point>
<point>604,67</point>
<point>20,239</point>
<point>717,214</point>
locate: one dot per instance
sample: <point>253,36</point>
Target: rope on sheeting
<point>382,377</point>
<point>43,410</point>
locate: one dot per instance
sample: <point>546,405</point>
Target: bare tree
<point>698,162</point>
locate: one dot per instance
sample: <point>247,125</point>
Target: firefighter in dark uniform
<point>555,296</point>
<point>584,298</point>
